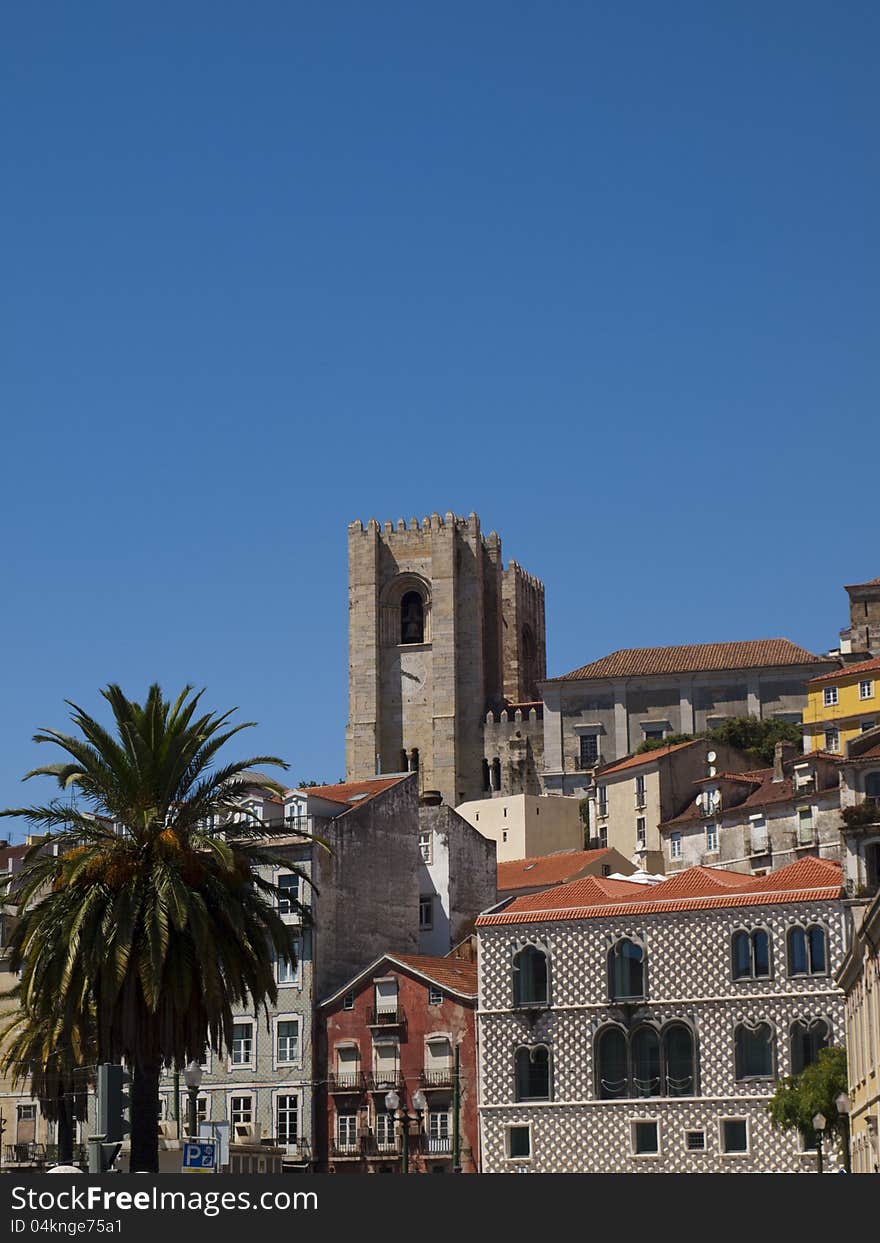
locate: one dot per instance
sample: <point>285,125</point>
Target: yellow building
<point>859,977</point>
<point>841,705</point>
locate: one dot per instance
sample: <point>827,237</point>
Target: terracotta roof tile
<point>585,891</point>
<point>546,869</point>
<point>453,973</point>
<point>765,793</point>
<point>354,792</point>
<point>848,671</point>
<point>698,888</point>
<point>644,757</point>
<point>693,658</point>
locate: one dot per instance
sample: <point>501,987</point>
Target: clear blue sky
<point>606,273</point>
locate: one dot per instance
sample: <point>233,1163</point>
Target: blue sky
<point>605,273</point>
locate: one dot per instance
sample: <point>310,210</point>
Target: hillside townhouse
<point>603,711</point>
<point>397,1066</point>
<point>759,819</point>
<point>626,1029</point>
<point>629,799</point>
<point>841,705</point>
<point>859,977</point>
<point>860,805</point>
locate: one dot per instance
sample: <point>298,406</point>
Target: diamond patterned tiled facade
<point>689,976</point>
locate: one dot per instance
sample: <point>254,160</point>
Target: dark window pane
<point>646,1137</point>
<point>797,952</point>
<point>754,1053</point>
<point>761,952</point>
<point>611,1061</point>
<point>742,956</point>
<point>734,1135</point>
<point>520,1144</point>
<point>532,1075</point>
<point>627,971</point>
<point>530,977</point>
<point>412,618</point>
<point>679,1045</point>
<point>646,1062</point>
<point>817,949</point>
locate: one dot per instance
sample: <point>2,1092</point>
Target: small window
<point>241,1109</point>
<point>530,977</point>
<point>832,740</point>
<point>288,897</point>
<point>626,971</point>
<point>830,696</point>
<point>425,845</point>
<point>711,838</point>
<point>435,997</point>
<point>734,1135</point>
<point>287,1041</point>
<point>426,912</point>
<point>532,1074</point>
<point>286,970</point>
<point>348,1001</point>
<point>589,750</point>
<point>641,833</point>
<point>646,1141</point>
<point>242,1044</point>
<point>641,794</point>
<point>519,1142</point>
<point>866,689</point>
<point>602,800</point>
<point>675,845</point>
<point>695,1141</point>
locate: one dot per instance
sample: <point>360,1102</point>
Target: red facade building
<point>397,1058</point>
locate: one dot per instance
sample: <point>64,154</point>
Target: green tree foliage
<point>758,738</point>
<point>144,920</point>
<point>798,1098</point>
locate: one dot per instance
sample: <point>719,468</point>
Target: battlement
<point>514,568</point>
<point>431,522</point>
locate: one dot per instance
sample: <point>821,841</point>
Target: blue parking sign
<point>199,1158</point>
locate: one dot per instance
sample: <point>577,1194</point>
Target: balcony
<point>373,1147</point>
<point>386,1017</point>
<point>436,1077</point>
<point>436,1145</point>
<point>384,1080</point>
<point>347,1081</point>
<point>347,1148</point>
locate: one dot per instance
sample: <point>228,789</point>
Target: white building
<point>624,1029</point>
<point>526,826</point>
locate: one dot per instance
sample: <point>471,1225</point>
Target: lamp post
<point>192,1077</point>
<point>819,1124</point>
<point>420,1104</point>
<point>844,1105</point>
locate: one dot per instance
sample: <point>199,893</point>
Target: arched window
<point>807,953</point>
<point>754,1051</point>
<point>530,977</point>
<point>612,1071</point>
<point>678,1060</point>
<point>412,618</point>
<point>626,971</point>
<point>533,1074</point>
<point>806,1041</point>
<point>751,954</point>
<point>645,1058</point>
<point>486,785</point>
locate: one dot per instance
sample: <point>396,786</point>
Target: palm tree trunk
<point>145,1119</point>
<point>65,1127</point>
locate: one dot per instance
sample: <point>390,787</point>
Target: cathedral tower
<point>439,633</point>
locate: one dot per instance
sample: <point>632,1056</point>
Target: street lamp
<point>392,1104</point>
<point>819,1124</point>
<point>844,1105</point>
<point>192,1077</point>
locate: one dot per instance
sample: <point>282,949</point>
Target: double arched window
<point>532,1068</point>
<point>645,1062</point>
<point>753,1050</point>
<point>531,977</point>
<point>807,950</point>
<point>626,971</point>
<point>751,954</point>
<point>807,1040</point>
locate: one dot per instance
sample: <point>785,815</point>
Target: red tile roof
<point>584,891</point>
<point>546,869</point>
<point>693,658</point>
<point>354,792</point>
<point>863,666</point>
<point>644,757</point>
<point>765,793</point>
<point>452,973</point>
<point>699,888</point>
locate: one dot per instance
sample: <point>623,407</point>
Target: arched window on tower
<point>412,618</point>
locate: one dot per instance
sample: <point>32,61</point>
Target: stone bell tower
<point>439,633</point>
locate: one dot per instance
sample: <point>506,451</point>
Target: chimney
<point>431,798</point>
<point>783,753</point>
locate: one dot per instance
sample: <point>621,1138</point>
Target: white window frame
<point>426,846</point>
<point>713,837</point>
<point>518,1126</point>
<point>281,875</point>
<point>641,832</point>
<point>296,980</point>
<point>350,1143</point>
<point>241,1096</point>
<point>602,801</point>
<point>675,850</point>
<point>747,1151</point>
<point>435,996</point>
<point>297,1095</point>
<point>866,693</point>
<point>645,1156</point>
<point>830,697</point>
<point>832,746</point>
<point>251,1064</point>
<point>277,1061</point>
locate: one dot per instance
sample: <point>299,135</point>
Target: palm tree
<point>143,918</point>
